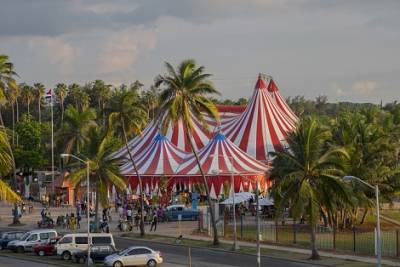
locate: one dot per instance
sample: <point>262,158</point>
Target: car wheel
<point>117,264</point>
<point>41,253</point>
<point>151,263</point>
<point>20,249</point>
<point>82,260</point>
<point>66,255</point>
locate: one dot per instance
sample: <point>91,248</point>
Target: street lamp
<point>89,261</point>
<point>378,221</point>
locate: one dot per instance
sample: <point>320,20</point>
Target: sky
<point>347,50</point>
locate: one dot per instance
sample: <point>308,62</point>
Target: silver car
<point>134,256</point>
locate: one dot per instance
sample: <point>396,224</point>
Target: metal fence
<point>354,241</point>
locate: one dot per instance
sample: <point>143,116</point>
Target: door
<point>65,244</point>
<point>32,240</point>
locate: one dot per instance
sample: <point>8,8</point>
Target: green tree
<point>74,131</point>
<point>309,174</point>
<point>101,93</point>
<point>61,92</point>
<point>104,171</point>
<point>39,92</point>
<point>78,96</point>
<point>127,114</point>
<point>185,95</point>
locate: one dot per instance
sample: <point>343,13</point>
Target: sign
<point>194,200</point>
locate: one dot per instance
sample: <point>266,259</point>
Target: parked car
<point>72,243</point>
<point>47,248</point>
<point>176,212</point>
<point>6,237</point>
<point>134,256</point>
<point>97,253</point>
<point>31,238</point>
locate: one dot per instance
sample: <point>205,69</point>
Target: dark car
<point>47,248</point>
<point>97,253</point>
<point>180,212</point>
<point>6,237</point>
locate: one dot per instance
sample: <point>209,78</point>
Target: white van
<point>72,243</point>
<point>31,238</point>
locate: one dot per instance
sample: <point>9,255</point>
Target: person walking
<point>154,222</point>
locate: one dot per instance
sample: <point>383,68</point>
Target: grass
<point>362,242</point>
<point>392,214</point>
<point>280,254</point>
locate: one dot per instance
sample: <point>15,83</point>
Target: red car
<point>47,248</point>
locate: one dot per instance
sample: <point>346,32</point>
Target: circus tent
<point>262,127</point>
<point>220,159</point>
<point>280,101</point>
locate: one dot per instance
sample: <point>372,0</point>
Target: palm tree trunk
<point>28,108</point>
<point>213,222</point>
<point>1,117</point>
<point>314,251</point>
<point>142,232</point>
<point>96,216</point>
<point>40,115</point>
<point>364,215</point>
<point>62,110</point>
<point>13,124</point>
<point>16,101</point>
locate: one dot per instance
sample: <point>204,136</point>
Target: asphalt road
<point>202,257</point>
<point>7,262</point>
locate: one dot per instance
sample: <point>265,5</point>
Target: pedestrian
<point>129,213</point>
<point>154,222</point>
<point>78,220</point>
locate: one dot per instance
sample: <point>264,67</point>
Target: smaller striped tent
<point>280,101</point>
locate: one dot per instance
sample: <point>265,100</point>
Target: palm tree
<point>79,96</point>
<point>39,94</point>
<point>61,92</point>
<point>184,97</point>
<point>309,174</point>
<point>104,171</point>
<point>74,131</point>
<point>127,113</point>
<point>7,80</point>
<point>102,93</point>
<point>27,95</point>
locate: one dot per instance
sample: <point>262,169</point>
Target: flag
<point>49,97</point>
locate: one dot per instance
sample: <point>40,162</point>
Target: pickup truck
<point>176,212</point>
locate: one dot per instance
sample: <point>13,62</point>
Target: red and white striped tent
<point>159,159</point>
<point>262,127</point>
<point>220,159</point>
<point>177,133</point>
<point>280,101</point>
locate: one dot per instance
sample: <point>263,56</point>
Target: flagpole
<point>52,142</point>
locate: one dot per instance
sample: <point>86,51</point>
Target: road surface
<point>202,257</point>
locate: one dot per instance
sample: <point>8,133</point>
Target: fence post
<point>334,238</point>
<point>397,243</point>
<point>294,233</point>
<point>241,226</point>
<point>189,257</point>
<point>354,239</point>
<point>276,233</point>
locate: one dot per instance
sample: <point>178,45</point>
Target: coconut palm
<point>184,97</point>
<point>101,92</point>
<point>6,165</point>
<point>61,92</point>
<point>309,174</point>
<point>78,96</point>
<point>7,80</point>
<point>28,95</point>
<point>104,171</point>
<point>127,114</point>
<point>39,92</point>
<point>74,131</point>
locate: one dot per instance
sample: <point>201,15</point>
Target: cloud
<point>122,49</point>
<point>364,87</point>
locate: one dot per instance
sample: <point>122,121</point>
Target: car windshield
<point>3,235</point>
<point>24,236</point>
<point>124,251</point>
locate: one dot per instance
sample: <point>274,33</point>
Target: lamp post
<point>89,261</point>
<point>378,220</point>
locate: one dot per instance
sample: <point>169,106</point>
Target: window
<point>66,240</point>
<point>81,240</point>
<point>18,235</point>
<point>32,237</point>
<point>52,234</point>
<point>180,208</point>
<point>10,236</point>
<point>139,251</point>
<point>101,240</point>
<point>44,236</point>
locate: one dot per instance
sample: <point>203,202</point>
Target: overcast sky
<point>347,50</point>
